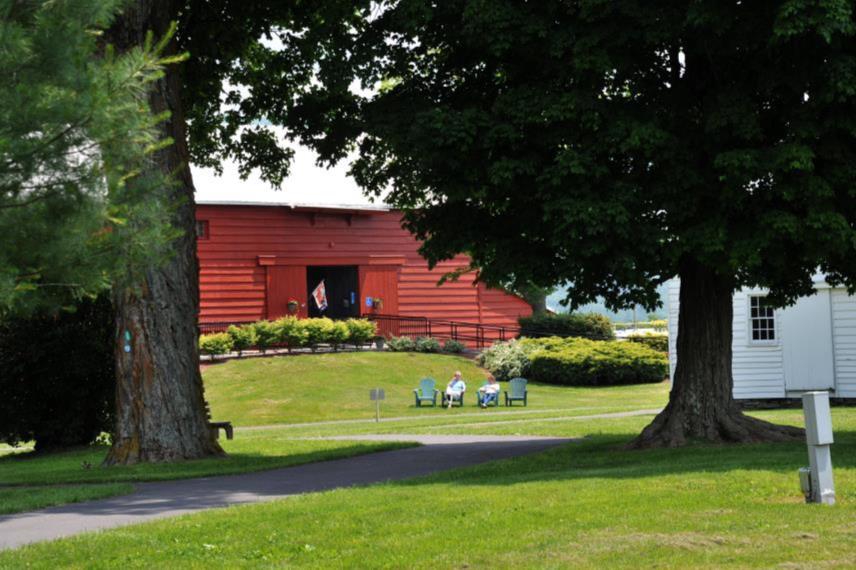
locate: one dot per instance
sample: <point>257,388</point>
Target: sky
<point>307,184</point>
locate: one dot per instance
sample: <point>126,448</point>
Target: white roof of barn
<point>297,205</point>
<point>308,185</point>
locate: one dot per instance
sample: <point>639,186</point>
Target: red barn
<point>255,258</point>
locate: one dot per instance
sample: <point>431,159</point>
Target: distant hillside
<point>619,317</point>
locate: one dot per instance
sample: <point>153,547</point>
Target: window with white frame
<point>762,319</point>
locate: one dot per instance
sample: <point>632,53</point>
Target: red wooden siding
<point>254,259</point>
<point>381,283</point>
<point>284,283</point>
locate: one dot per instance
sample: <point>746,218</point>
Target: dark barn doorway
<point>343,297</point>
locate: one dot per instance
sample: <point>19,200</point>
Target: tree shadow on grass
<point>604,456</point>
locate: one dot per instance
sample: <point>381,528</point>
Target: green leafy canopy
<point>606,143</point>
<point>75,128</point>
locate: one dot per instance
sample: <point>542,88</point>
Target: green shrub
<point>291,332</point>
<point>57,380</point>
<point>267,334</point>
<point>339,334</point>
<point>361,331</point>
<point>400,344</point>
<point>318,331</point>
<point>584,325</point>
<point>583,362</point>
<point>659,342</point>
<point>214,344</point>
<point>659,324</point>
<point>243,337</point>
<point>452,345</point>
<point>427,344</point>
<point>506,360</point>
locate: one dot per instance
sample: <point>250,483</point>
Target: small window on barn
<point>762,320</point>
<point>202,229</point>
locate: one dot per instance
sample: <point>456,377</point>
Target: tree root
<point>678,427</point>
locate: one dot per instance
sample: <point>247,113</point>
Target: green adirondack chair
<point>444,400</point>
<point>517,392</point>
<point>480,397</point>
<point>426,392</point>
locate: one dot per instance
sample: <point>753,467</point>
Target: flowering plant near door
<point>293,306</point>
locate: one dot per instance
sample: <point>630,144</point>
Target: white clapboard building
<point>780,353</point>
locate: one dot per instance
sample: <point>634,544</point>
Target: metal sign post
<point>377,394</point>
<point>818,435</point>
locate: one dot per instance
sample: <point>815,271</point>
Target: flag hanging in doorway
<point>320,296</point>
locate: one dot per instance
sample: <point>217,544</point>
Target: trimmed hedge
<point>659,342</point>
<point>318,331</point>
<point>583,325</point>
<point>659,324</point>
<point>214,344</point>
<point>583,362</point>
<point>361,331</point>
<point>575,361</point>
<point>243,338</point>
<point>290,332</point>
<point>267,334</point>
<point>453,346</point>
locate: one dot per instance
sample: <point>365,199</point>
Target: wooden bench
<point>225,426</point>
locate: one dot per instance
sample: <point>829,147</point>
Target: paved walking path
<point>170,498</point>
<point>479,414</point>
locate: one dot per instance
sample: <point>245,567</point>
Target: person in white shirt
<point>490,391</point>
<point>456,388</point>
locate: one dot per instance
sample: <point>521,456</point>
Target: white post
<point>818,435</point>
<point>377,406</point>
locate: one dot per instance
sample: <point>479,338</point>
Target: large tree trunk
<point>536,297</point>
<point>160,406</point>
<point>701,405</point>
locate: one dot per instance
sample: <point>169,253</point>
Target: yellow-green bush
<point>339,334</point>
<point>291,332</point>
<point>243,337</point>
<point>266,334</point>
<point>361,331</point>
<point>318,331</point>
<point>659,342</point>
<point>214,344</point>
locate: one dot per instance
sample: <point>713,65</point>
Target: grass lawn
<point>17,499</point>
<point>298,389</point>
<point>588,504</point>
<point>325,387</point>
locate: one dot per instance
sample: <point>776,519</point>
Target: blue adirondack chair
<point>517,392</point>
<point>426,392</point>
<point>480,397</point>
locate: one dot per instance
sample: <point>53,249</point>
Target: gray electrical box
<point>818,419</point>
<point>818,435</point>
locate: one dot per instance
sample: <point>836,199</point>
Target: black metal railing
<point>209,328</point>
<point>473,334</point>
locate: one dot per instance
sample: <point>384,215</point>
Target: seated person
<point>456,388</point>
<point>490,391</point>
